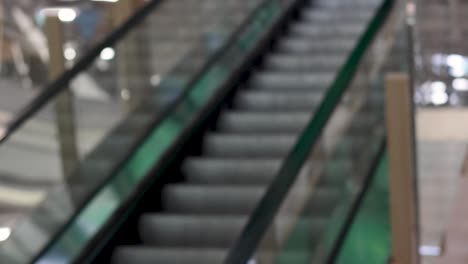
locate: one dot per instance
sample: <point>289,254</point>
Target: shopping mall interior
<point>233,131</point>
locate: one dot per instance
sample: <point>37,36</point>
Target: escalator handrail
<point>62,82</point>
<point>263,215</point>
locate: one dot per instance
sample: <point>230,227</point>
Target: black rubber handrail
<point>63,81</point>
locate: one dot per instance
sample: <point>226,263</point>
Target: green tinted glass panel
<point>102,207</point>
<point>369,239</point>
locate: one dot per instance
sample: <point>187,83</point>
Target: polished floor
<point>442,150</point>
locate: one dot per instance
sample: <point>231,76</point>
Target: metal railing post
<point>127,64</point>
<point>64,111</point>
<point>403,187</point>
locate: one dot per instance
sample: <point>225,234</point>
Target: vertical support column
<point>403,189</point>
<point>64,102</point>
<point>122,10</point>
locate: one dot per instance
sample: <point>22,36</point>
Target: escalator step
<point>290,81</point>
<point>205,200</point>
<point>152,255</point>
<point>303,62</point>
<point>253,100</point>
<point>316,16</point>
<point>230,171</point>
<point>251,122</point>
<point>298,46</point>
<point>311,30</point>
<point>165,230</point>
<point>248,146</point>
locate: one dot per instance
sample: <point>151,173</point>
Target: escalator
<point>215,177</point>
<point>203,215</point>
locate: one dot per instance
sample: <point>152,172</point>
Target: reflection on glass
<point>369,237</point>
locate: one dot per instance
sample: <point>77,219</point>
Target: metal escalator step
<point>168,20</point>
<point>304,62</point>
<point>248,146</point>
<point>336,5</point>
<point>190,231</point>
<point>259,122</point>
<point>316,15</point>
<point>312,30</point>
<point>253,100</point>
<point>152,255</point>
<point>201,6</point>
<point>285,80</point>
<point>206,200</point>
<point>299,46</point>
<point>230,171</point>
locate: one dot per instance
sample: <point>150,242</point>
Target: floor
<point>442,147</point>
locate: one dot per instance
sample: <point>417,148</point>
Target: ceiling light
<point>438,87</point>
<point>439,98</point>
<point>455,60</point>
<point>107,54</point>
<point>125,94</point>
<point>438,59</point>
<point>66,14</point>
<point>432,251</point>
<point>457,65</point>
<point>69,53</point>
<point>5,233</point>
<point>155,80</point>
<point>460,84</point>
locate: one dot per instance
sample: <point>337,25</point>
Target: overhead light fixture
<point>155,80</point>
<point>5,233</point>
<point>125,94</point>
<point>67,15</point>
<point>439,98</point>
<point>455,60</point>
<point>107,54</point>
<point>432,251</point>
<point>69,53</point>
<point>460,84</point>
<point>438,59</point>
<point>438,87</point>
<point>457,65</point>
